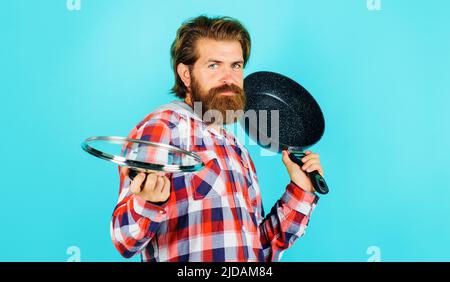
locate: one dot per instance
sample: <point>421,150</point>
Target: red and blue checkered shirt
<point>214,214</point>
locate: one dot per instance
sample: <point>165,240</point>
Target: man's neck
<point>215,127</point>
<point>187,100</point>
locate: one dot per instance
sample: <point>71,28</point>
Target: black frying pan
<point>301,122</point>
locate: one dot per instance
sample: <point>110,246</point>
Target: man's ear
<point>183,72</point>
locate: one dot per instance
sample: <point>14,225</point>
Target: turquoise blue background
<point>381,78</point>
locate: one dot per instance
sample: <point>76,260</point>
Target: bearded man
<point>214,214</point>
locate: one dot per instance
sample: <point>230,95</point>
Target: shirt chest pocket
<point>207,182</point>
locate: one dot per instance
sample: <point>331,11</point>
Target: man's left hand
<point>299,175</point>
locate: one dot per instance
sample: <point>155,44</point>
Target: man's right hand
<point>156,188</point>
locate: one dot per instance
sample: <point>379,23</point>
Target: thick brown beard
<point>234,104</point>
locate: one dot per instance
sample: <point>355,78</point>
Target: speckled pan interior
<point>301,121</point>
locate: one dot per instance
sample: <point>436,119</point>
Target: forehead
<point>219,50</point>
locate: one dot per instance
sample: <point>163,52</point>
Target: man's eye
<point>212,66</point>
<point>237,66</point>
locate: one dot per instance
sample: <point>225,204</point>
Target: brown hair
<point>219,28</point>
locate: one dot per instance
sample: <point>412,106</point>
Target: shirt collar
<point>188,110</point>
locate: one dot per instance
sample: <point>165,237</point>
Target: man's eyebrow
<point>213,61</point>
<point>219,61</point>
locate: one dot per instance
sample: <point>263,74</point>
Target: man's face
<point>217,78</point>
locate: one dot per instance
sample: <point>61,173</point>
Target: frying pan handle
<point>317,180</point>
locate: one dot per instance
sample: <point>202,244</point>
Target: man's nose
<point>227,76</point>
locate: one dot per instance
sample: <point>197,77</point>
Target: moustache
<point>226,88</point>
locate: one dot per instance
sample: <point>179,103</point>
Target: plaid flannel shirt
<point>214,214</point>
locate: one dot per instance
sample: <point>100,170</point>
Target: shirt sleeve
<point>286,221</point>
<point>135,221</point>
